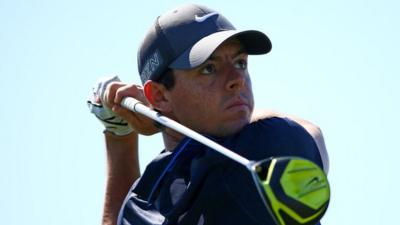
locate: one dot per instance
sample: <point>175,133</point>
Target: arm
<point>122,171</point>
<point>311,128</point>
<point>121,138</point>
<point>122,151</point>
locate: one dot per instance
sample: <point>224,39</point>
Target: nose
<point>236,79</point>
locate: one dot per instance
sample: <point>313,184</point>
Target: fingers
<point>135,91</point>
<point>140,124</point>
<point>116,91</point>
<point>110,93</point>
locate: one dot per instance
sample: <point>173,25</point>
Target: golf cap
<point>186,36</point>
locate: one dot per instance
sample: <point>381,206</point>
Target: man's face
<point>215,98</point>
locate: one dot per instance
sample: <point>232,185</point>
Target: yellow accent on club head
<point>305,182</point>
<point>277,205</point>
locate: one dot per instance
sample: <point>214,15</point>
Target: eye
<point>208,69</point>
<point>241,64</point>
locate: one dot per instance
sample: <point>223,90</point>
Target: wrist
<point>120,131</point>
<point>111,135</point>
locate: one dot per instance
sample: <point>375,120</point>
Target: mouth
<point>238,105</point>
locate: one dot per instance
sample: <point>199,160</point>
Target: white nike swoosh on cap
<point>204,17</point>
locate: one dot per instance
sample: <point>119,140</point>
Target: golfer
<point>193,67</point>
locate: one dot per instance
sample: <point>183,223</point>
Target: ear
<point>156,95</point>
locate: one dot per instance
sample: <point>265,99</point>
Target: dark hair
<point>167,79</point>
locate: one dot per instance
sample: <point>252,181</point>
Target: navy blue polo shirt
<point>195,185</point>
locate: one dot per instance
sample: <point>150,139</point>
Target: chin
<point>232,128</point>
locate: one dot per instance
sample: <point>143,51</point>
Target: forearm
<point>122,171</point>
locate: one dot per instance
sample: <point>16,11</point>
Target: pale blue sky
<point>333,63</point>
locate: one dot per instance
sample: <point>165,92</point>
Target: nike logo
<point>312,181</point>
<point>204,17</point>
<point>314,184</point>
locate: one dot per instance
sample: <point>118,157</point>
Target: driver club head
<point>295,190</point>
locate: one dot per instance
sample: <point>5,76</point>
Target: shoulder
<point>298,125</point>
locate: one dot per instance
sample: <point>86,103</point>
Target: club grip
<point>130,103</point>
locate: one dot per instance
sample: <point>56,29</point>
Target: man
<point>193,64</point>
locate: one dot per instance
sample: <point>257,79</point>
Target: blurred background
<point>333,63</point>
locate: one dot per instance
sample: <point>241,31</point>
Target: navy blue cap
<point>186,36</point>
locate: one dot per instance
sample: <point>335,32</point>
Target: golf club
<point>294,190</point>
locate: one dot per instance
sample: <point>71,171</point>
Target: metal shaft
<point>138,107</point>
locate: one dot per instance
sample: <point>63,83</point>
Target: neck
<point>171,139</point>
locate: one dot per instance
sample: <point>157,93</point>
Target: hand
<point>112,122</point>
<point>105,104</point>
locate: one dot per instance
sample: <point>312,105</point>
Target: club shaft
<point>138,107</point>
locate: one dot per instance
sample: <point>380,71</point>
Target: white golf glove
<point>113,123</point>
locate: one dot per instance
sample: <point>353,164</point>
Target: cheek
<point>195,105</point>
<point>249,90</point>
